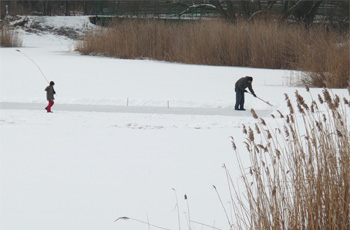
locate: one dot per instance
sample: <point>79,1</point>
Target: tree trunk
<point>67,13</point>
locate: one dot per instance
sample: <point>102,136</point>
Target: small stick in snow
<point>128,218</point>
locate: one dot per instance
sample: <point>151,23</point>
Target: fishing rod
<point>34,63</point>
<point>261,99</point>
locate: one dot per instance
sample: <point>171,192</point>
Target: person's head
<point>52,83</point>
<point>250,79</point>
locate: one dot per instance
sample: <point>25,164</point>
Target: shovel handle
<point>261,99</point>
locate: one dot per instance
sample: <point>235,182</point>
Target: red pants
<point>49,106</point>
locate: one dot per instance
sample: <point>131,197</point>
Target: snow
<point>127,137</point>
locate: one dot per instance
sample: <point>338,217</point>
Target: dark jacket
<point>50,92</point>
<point>243,83</point>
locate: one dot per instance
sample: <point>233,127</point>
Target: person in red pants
<point>50,91</point>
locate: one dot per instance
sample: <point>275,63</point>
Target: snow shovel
<point>262,99</point>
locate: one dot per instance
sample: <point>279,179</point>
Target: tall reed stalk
<point>299,176</point>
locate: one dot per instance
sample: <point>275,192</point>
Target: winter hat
<point>52,83</point>
<point>249,78</point>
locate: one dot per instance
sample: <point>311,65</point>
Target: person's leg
<point>241,105</point>
<point>238,98</point>
<point>49,106</point>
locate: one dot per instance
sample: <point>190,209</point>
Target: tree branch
<point>196,6</point>
<point>290,10</point>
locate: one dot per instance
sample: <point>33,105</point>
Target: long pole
<point>34,63</point>
<point>262,99</point>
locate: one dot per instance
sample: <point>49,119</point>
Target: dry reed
<point>9,37</point>
<point>322,53</point>
<point>299,176</point>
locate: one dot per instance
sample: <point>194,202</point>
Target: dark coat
<point>243,83</point>
<point>50,92</point>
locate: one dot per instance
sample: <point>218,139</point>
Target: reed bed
<point>299,176</point>
<point>9,37</point>
<point>322,52</point>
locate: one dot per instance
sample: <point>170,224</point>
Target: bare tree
<point>301,10</point>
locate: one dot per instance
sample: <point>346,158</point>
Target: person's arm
<point>251,90</point>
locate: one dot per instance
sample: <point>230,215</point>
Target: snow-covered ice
<point>126,136</point>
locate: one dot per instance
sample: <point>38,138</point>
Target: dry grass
<point>9,37</point>
<point>328,60</point>
<point>322,53</point>
<point>300,172</point>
